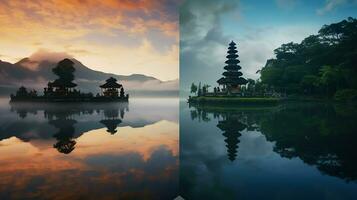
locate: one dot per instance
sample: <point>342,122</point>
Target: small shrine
<point>111,88</point>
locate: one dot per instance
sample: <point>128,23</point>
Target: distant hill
<point>36,74</point>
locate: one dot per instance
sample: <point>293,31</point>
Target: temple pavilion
<point>61,87</point>
<point>111,88</point>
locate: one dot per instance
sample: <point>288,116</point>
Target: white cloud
<point>45,54</point>
<point>329,6</point>
<point>258,44</point>
<point>204,42</point>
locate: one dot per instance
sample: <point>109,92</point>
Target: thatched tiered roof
<point>111,83</point>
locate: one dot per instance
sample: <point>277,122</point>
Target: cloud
<point>330,5</point>
<point>203,42</point>
<point>45,54</point>
<point>96,32</point>
<point>258,44</point>
<point>205,37</point>
<point>129,16</point>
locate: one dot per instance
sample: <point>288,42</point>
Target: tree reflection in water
<point>320,135</point>
<point>61,116</point>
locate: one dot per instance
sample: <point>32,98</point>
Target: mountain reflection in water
<point>292,151</point>
<point>63,118</point>
<point>89,151</point>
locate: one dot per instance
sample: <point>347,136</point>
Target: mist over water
<point>90,151</point>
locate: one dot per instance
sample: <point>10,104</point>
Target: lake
<point>132,151</point>
<point>90,151</point>
<point>290,151</point>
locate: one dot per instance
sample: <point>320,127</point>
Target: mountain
<point>36,74</point>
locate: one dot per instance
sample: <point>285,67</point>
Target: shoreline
<point>232,100</point>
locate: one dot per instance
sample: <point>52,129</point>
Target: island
<point>231,87</point>
<point>64,89</point>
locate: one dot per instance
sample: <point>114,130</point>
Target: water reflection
<point>61,116</point>
<point>89,151</point>
<point>260,140</point>
<point>228,122</point>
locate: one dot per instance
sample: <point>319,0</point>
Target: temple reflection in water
<point>319,135</point>
<point>62,117</point>
<point>102,151</point>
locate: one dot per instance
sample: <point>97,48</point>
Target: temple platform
<point>69,99</point>
<point>234,100</point>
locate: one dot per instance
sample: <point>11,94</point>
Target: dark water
<point>89,151</point>
<point>293,151</point>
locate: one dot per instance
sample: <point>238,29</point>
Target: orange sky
<point>118,36</point>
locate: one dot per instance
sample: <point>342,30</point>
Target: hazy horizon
<point>110,36</point>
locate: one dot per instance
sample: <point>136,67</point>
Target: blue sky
<point>287,12</point>
<point>207,26</point>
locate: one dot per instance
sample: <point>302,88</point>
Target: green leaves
<point>320,65</point>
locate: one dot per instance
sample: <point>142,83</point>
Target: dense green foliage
<point>346,95</point>
<point>320,65</point>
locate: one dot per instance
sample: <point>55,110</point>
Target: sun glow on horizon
<point>123,37</point>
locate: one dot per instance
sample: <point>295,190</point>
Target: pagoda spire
<point>232,76</point>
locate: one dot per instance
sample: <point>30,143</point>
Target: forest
<point>322,65</point>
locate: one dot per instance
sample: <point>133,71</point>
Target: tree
<point>122,93</point>
<point>251,84</point>
<point>206,86</point>
<point>199,92</point>
<point>287,51</point>
<point>330,78</point>
<point>297,66</point>
<point>309,83</point>
<point>193,88</point>
<point>64,70</point>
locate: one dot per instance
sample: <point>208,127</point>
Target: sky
<point>117,36</point>
<point>258,27</point>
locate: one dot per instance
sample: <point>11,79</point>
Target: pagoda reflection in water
<point>231,127</point>
<point>231,123</point>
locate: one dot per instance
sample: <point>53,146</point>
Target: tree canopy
<point>321,64</point>
<point>64,70</point>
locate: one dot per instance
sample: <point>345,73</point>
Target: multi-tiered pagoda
<point>232,79</point>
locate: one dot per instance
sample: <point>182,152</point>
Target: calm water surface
<point>89,151</point>
<point>131,151</point>
<point>304,151</point>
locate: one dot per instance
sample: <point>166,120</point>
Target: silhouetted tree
<point>122,93</point>
<point>193,88</point>
<point>64,70</point>
<point>22,92</point>
<point>199,92</point>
